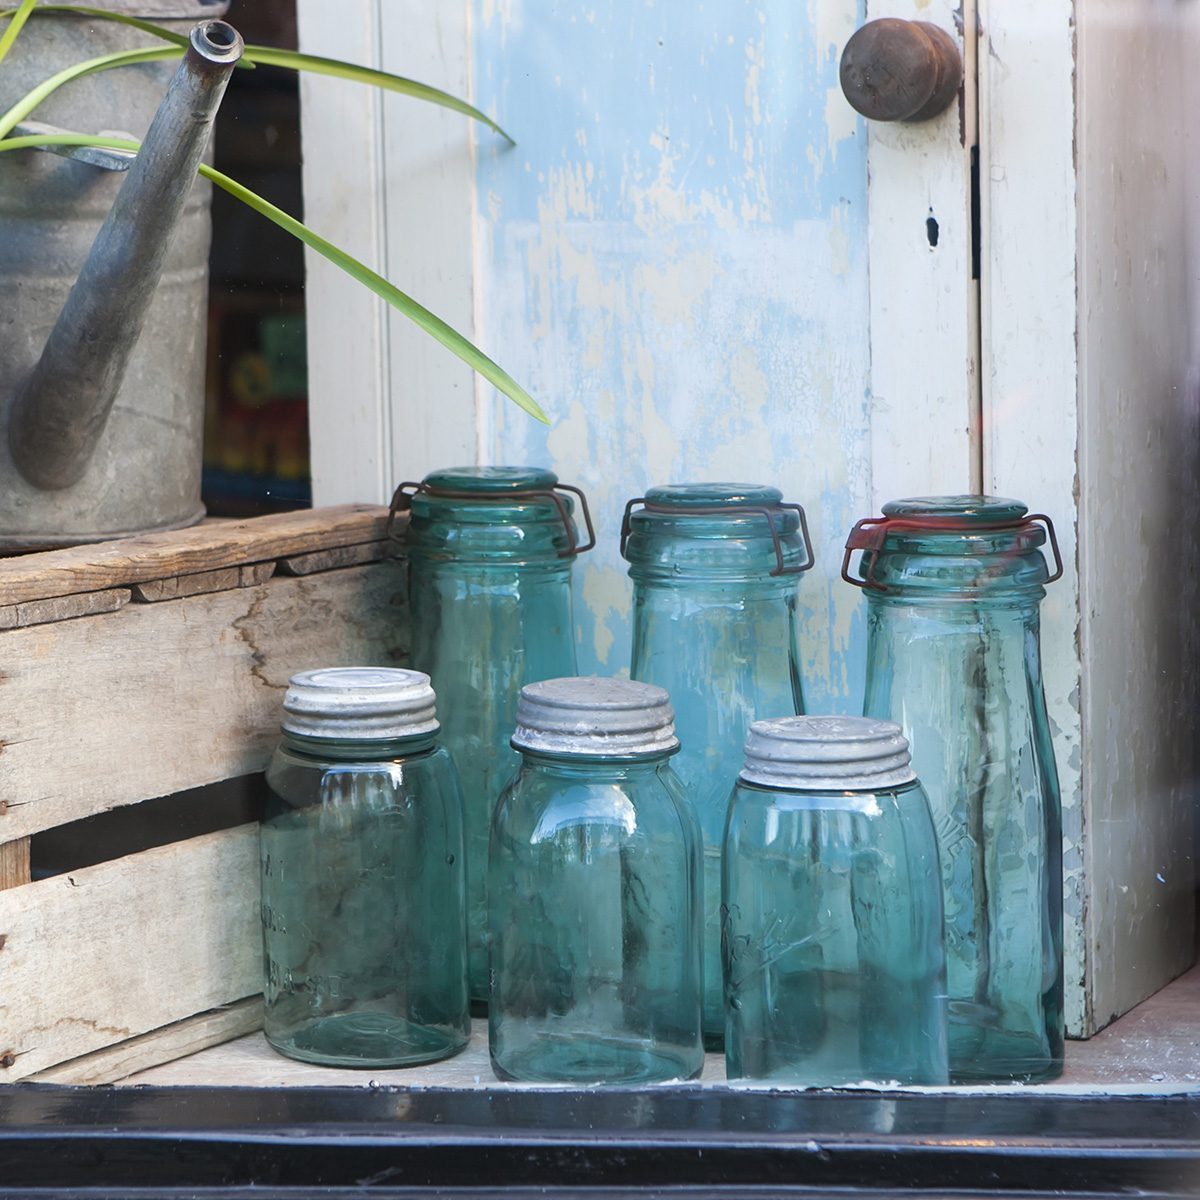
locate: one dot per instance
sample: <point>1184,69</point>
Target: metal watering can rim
<point>58,415</point>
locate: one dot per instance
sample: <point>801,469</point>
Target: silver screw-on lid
<point>589,715</point>
<point>821,754</point>
<point>359,704</point>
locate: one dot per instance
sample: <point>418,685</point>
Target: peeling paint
<point>680,276</point>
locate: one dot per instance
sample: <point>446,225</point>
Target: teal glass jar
<point>363,887</point>
<point>715,570</point>
<point>594,884</point>
<point>835,969</point>
<point>489,552</point>
<point>953,585</point>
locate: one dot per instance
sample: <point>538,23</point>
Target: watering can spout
<point>57,417</point>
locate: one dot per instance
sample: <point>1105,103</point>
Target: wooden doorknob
<point>894,70</point>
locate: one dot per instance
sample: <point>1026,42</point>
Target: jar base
<point>584,1060</point>
<point>367,1040</point>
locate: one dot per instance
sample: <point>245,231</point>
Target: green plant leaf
<point>83,10</point>
<point>19,17</point>
<point>293,60</point>
<point>123,58</point>
<point>418,313</point>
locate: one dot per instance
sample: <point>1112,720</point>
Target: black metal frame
<point>686,1141</point>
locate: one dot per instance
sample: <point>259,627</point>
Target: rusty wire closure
<point>402,501</point>
<point>737,510</point>
<point>870,534</point>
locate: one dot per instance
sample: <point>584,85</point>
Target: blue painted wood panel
<point>674,260</point>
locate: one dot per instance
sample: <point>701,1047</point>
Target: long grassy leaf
<point>19,17</point>
<point>295,61</point>
<point>84,10</point>
<point>123,58</point>
<point>418,313</point>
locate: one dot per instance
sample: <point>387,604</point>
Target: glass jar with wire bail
<point>953,585</point>
<point>715,570</point>
<point>490,551</point>
<point>594,885</point>
<point>363,887</point>
<point>835,971</point>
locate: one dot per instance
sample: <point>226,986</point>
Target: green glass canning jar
<point>835,968</point>
<point>715,570</point>
<point>363,886</point>
<point>489,552</point>
<point>953,587</point>
<point>594,884</point>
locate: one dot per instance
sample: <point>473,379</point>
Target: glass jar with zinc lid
<point>594,886</point>
<point>835,969</point>
<point>363,891</point>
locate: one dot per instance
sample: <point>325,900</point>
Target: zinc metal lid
<point>595,717</point>
<point>360,704</point>
<point>822,754</point>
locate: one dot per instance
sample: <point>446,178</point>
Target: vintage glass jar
<point>363,885</point>
<point>594,885</point>
<point>834,964</point>
<point>490,552</point>
<point>953,585</point>
<point>715,571</point>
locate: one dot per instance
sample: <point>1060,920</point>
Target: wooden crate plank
<point>113,951</point>
<point>206,547</point>
<point>63,608</point>
<point>222,579</point>
<point>165,1045</point>
<point>329,560</point>
<point>14,865</point>
<point>158,698</point>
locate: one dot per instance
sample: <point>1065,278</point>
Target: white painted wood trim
<point>1028,303</point>
<point>1138,488</point>
<point>923,300</point>
<point>344,200</point>
<point>390,179</point>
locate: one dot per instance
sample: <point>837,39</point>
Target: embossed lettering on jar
<point>490,552</point>
<point>715,571</point>
<point>953,585</point>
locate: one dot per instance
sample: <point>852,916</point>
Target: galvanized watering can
<point>102,389</point>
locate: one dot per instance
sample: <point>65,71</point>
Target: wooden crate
<point>133,670</point>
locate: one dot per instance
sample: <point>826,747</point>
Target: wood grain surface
<point>158,698</point>
<point>205,547</point>
<point>116,950</point>
<point>159,1046</point>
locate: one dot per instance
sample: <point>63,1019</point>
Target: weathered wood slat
<point>62,608</point>
<point>157,698</point>
<point>329,560</point>
<point>160,1046</point>
<point>14,865</point>
<point>205,547</point>
<point>221,580</point>
<point>116,950</point>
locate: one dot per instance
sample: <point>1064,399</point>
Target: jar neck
<point>594,766</point>
<point>359,750</point>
